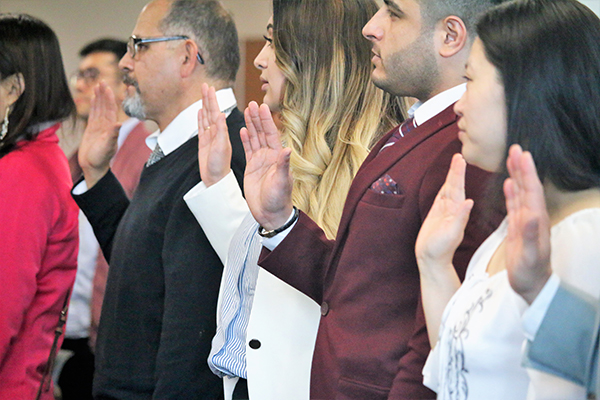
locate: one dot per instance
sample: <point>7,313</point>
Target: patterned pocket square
<point>385,185</point>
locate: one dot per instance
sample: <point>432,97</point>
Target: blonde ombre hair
<point>332,114</point>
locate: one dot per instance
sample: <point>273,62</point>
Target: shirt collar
<point>423,112</point>
<point>185,125</point>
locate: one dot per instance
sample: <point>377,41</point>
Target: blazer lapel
<point>376,164</point>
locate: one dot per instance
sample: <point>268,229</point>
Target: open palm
<point>99,141</point>
<point>214,147</point>
<point>267,180</point>
<point>443,230</point>
<point>528,239</point>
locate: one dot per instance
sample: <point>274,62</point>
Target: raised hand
<point>267,180</point>
<point>439,237</point>
<point>528,239</point>
<point>443,229</point>
<point>99,141</point>
<point>214,147</point>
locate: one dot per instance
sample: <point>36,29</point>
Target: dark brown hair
<point>29,47</point>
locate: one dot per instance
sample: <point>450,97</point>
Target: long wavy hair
<point>331,112</point>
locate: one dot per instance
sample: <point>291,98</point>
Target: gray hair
<point>212,27</point>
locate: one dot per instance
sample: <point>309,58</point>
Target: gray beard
<point>133,106</point>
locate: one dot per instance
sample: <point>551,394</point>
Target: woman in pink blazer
<point>38,217</point>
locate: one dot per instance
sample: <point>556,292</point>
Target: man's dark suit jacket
<point>372,341</point>
<point>159,310</point>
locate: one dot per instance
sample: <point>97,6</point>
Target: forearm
<point>104,206</point>
<point>438,285</point>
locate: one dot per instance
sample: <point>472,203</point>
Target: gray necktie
<point>155,156</point>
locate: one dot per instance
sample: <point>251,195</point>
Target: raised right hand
<point>443,229</point>
<point>99,142</point>
<point>214,147</point>
<point>267,180</point>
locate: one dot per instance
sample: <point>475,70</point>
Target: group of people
<point>354,250</point>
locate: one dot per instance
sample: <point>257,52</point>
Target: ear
<point>190,62</point>
<point>15,86</point>
<point>451,36</point>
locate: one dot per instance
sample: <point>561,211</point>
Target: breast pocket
<point>383,200</point>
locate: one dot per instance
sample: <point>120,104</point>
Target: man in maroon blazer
<point>372,341</point>
<point>99,61</point>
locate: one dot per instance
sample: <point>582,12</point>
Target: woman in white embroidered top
<point>315,69</point>
<point>534,81</point>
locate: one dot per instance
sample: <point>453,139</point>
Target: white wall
<point>594,5</point>
<point>77,22</point>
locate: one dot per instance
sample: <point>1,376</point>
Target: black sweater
<point>159,311</point>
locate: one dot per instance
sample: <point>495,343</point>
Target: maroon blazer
<point>372,341</point>
<point>127,165</point>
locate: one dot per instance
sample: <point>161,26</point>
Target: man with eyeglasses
<point>99,62</point>
<point>159,310</point>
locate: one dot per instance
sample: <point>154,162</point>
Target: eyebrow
<point>391,4</point>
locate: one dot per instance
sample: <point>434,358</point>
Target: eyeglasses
<point>133,44</point>
<point>89,76</point>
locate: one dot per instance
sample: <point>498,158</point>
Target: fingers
<point>254,113</point>
<point>203,123</point>
<point>454,186</point>
<point>246,143</point>
<point>212,106</point>
<point>272,136</point>
<point>456,178</point>
<point>253,141</point>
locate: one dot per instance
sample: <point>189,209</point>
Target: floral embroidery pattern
<point>455,382</point>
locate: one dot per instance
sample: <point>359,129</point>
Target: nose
<point>79,84</point>
<point>372,30</point>
<point>459,105</point>
<point>126,63</point>
<point>260,62</point>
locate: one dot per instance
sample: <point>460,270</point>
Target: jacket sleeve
<point>570,330</point>
<point>304,270</point>
<point>104,205</point>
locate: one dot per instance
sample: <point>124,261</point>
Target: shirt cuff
<point>272,242</point>
<point>201,186</point>
<point>80,188</point>
<point>534,315</point>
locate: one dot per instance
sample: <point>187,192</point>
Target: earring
<point>4,129</point>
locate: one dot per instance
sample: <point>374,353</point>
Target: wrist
<point>215,178</point>
<point>93,175</point>
<point>270,232</point>
<point>530,293</point>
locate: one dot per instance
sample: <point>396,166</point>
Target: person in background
<point>99,62</point>
<point>532,76</point>
<point>159,311</point>
<point>266,329</point>
<point>372,342</point>
<point>38,221</point>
